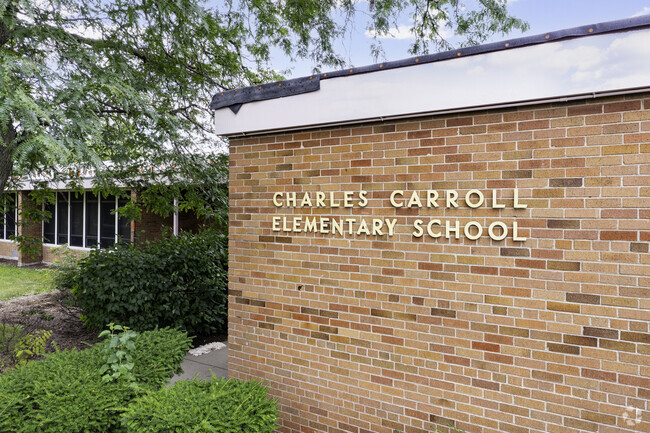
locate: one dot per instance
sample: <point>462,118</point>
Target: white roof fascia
<point>561,70</point>
<point>27,185</point>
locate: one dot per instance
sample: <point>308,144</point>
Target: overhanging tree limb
<point>121,85</point>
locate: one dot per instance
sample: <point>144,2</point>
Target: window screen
<point>82,220</point>
<point>10,216</point>
<point>50,226</point>
<point>92,221</point>
<point>76,220</point>
<point>62,217</point>
<point>107,221</point>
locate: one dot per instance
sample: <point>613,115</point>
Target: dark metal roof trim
<point>235,98</point>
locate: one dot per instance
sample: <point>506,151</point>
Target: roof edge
<point>234,99</point>
<point>460,110</point>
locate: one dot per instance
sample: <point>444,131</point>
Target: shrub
<point>158,355</point>
<point>118,353</point>
<point>65,267</point>
<point>9,336</point>
<point>179,282</point>
<point>65,392</point>
<point>216,406</point>
<point>19,344</point>
<point>31,346</point>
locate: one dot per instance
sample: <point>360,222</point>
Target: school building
<point>458,238</point>
<point>81,220</point>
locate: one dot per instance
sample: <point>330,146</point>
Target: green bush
<point>31,346</point>
<point>217,406</point>
<point>65,392</point>
<point>19,344</point>
<point>65,267</point>
<point>118,353</point>
<point>179,282</point>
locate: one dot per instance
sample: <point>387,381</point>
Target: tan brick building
<point>465,254</point>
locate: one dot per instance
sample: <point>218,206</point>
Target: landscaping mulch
<point>49,311</point>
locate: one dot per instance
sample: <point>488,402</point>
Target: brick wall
<point>51,254</point>
<point>376,333</point>
<point>151,226</point>
<point>8,250</point>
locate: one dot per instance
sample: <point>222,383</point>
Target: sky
<point>542,16</point>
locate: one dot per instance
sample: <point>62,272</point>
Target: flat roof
<point>580,62</point>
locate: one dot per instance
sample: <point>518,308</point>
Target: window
<point>106,223</point>
<point>62,212</point>
<point>49,229</point>
<point>8,216</point>
<point>76,220</point>
<point>92,219</point>
<point>86,220</point>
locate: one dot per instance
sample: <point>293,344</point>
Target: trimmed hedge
<point>216,406</point>
<point>65,393</point>
<point>180,282</point>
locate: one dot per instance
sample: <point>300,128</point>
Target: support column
<point>30,229</point>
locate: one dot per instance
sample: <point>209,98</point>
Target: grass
<point>15,282</point>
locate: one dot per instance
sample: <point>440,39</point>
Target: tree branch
<point>5,33</point>
<point>7,149</point>
<point>100,43</point>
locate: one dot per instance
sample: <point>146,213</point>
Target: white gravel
<point>206,348</point>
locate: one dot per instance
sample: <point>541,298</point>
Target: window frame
<point>3,219</point>
<point>84,246</point>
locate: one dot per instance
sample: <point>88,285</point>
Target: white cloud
<point>340,3</point>
<point>644,11</point>
<point>400,33</point>
<point>403,32</point>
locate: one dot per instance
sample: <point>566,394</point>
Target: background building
<point>82,220</point>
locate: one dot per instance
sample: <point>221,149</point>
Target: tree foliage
<point>122,86</point>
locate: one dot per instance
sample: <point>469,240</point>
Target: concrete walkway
<point>204,366</point>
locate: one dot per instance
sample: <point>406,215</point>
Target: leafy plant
<point>117,353</point>
<point>9,336</point>
<point>32,210</point>
<point>31,346</point>
<point>177,282</point>
<point>19,344</point>
<point>65,392</point>
<point>29,246</point>
<point>65,267</point>
<point>215,406</point>
<point>84,82</point>
<point>158,356</point>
